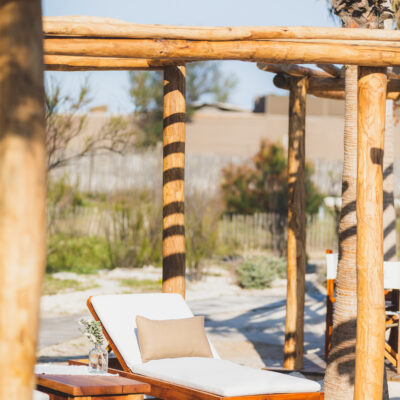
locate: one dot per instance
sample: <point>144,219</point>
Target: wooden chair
<point>117,314</point>
<point>331,271</point>
<point>391,283</point>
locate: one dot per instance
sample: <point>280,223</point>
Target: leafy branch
<point>67,136</point>
<point>92,330</point>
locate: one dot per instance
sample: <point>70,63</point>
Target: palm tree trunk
<point>340,371</point>
<point>339,376</point>
<point>389,213</point>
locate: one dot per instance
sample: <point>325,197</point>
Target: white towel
<point>53,369</point>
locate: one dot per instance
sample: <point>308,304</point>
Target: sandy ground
<point>245,326</point>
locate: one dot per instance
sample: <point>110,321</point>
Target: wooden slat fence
<point>246,232</point>
<point>269,231</point>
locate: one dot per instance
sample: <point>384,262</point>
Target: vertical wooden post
<point>370,293</point>
<point>296,259</point>
<point>174,253</point>
<point>22,194</point>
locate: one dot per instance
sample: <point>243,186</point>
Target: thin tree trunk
<point>389,212</point>
<point>339,377</point>
<point>23,193</point>
<point>340,373</point>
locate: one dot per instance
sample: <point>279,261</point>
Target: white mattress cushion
<point>222,377</point>
<point>40,395</point>
<point>118,314</point>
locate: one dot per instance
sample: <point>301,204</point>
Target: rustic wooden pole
<point>22,194</point>
<point>370,293</point>
<point>174,253</point>
<point>318,84</point>
<point>296,259</point>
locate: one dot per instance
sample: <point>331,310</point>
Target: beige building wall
<point>231,133</point>
<point>239,134</point>
<point>215,138</point>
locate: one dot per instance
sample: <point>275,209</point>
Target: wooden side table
<point>87,387</point>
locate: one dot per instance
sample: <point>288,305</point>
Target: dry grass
<point>53,285</point>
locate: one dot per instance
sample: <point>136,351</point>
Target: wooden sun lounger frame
<point>166,390</point>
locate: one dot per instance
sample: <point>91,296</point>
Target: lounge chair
<point>187,377</point>
<point>391,283</point>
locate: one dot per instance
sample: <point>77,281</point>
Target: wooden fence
<point>246,232</point>
<point>269,231</point>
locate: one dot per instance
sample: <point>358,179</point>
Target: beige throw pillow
<point>172,338</point>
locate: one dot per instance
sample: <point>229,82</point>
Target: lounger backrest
<point>331,265</point>
<point>117,314</point>
<point>391,271</point>
<point>391,275</point>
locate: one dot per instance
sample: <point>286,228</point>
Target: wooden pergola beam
<point>339,95</point>
<point>332,70</point>
<point>317,84</point>
<point>370,345</point>
<point>292,70</point>
<point>174,247</point>
<point>265,51</point>
<point>107,27</point>
<point>76,63</point>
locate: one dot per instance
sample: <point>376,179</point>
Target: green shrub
<point>260,272</point>
<point>134,232</point>
<point>80,254</point>
<point>124,229</point>
<point>201,229</point>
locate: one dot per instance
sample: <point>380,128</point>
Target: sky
<point>111,88</point>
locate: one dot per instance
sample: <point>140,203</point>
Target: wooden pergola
<point>82,43</point>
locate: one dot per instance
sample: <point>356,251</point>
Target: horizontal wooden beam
<point>292,70</point>
<point>339,95</point>
<point>328,94</point>
<point>317,84</point>
<point>107,27</point>
<point>266,51</point>
<point>77,63</point>
<point>332,70</point>
<point>314,84</point>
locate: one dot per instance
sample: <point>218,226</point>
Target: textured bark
<point>389,212</point>
<point>340,372</point>
<point>339,377</point>
<point>23,193</point>
<point>363,13</point>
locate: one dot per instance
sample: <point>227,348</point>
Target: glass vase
<point>98,360</point>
